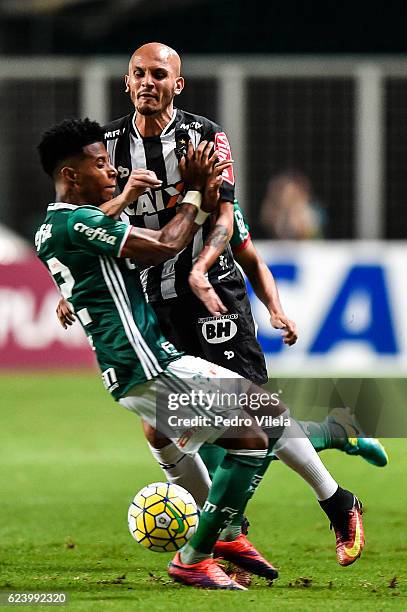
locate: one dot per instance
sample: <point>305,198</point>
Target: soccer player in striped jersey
<point>154,136</point>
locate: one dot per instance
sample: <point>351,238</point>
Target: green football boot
<point>356,444</point>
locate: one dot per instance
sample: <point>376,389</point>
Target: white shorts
<point>191,402</point>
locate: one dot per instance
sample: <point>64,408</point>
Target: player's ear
<point>69,174</point>
<point>126,83</point>
<point>179,85</point>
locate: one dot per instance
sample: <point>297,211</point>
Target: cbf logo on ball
<point>219,329</point>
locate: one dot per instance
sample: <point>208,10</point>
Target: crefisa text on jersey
<point>95,233</point>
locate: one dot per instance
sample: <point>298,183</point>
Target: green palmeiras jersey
<point>241,231</point>
<point>81,246</point>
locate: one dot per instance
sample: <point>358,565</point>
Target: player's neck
<point>69,197</point>
<point>153,125</point>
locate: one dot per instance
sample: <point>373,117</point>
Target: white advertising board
<point>349,300</point>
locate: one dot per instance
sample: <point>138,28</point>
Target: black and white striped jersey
<point>129,150</point>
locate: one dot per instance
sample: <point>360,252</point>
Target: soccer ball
<point>162,517</point>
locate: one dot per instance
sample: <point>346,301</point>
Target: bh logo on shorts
<point>219,329</point>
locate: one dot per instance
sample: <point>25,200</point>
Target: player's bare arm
<point>139,181</point>
<point>264,285</point>
<point>151,247</point>
<point>214,246</point>
<point>220,234</point>
<point>218,238</point>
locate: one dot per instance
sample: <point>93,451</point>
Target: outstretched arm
<point>151,247</point>
<point>139,180</point>
<point>265,288</point>
<point>199,170</point>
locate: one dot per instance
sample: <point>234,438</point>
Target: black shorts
<point>229,341</point>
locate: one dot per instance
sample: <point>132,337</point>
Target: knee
<point>253,439</point>
<point>154,437</point>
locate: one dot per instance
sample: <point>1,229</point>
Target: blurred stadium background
<point>337,119</point>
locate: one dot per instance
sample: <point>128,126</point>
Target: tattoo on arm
<point>218,237</point>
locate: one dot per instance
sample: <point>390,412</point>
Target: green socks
<point>228,496</point>
<point>326,434</point>
<point>212,456</point>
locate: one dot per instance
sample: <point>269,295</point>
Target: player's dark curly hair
<point>65,140</point>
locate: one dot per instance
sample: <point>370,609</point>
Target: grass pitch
<point>72,459</point>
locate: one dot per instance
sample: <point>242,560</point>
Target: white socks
<point>188,471</point>
<point>296,451</point>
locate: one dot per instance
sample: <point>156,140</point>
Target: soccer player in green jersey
<point>85,252</point>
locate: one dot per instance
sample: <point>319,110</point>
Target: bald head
<point>154,80</point>
<point>160,53</point>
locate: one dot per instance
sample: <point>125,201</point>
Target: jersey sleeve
<point>95,232</point>
<point>215,133</point>
<point>241,231</point>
